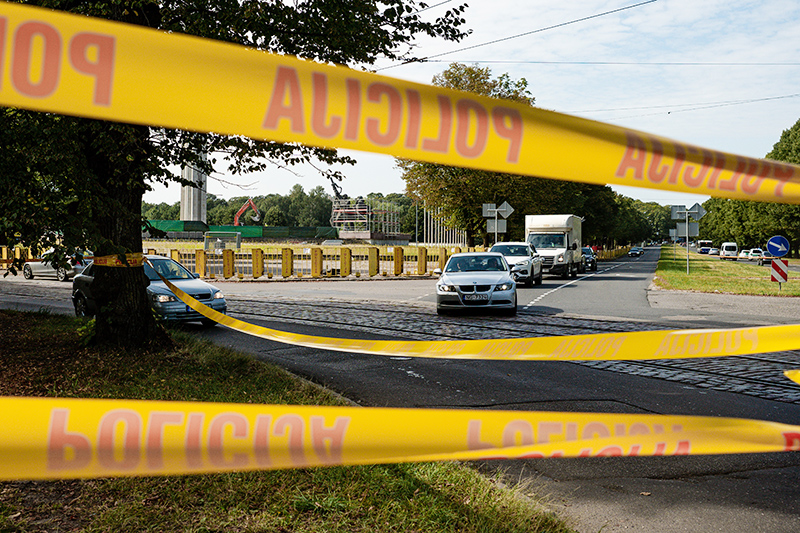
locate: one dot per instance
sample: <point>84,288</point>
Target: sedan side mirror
<point>437,271</point>
<point>574,246</point>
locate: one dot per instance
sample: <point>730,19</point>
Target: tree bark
<point>118,159</point>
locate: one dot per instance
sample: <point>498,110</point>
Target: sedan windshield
<point>167,268</point>
<point>510,249</point>
<point>476,264</point>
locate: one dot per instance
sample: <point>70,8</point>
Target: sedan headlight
<point>164,298</point>
<point>446,288</point>
<point>560,258</point>
<point>504,286</point>
<point>524,263</point>
<point>218,295</point>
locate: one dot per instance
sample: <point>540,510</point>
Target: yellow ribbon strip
<point>794,375</point>
<point>629,346</point>
<point>77,65</point>
<point>131,260</point>
<point>55,438</point>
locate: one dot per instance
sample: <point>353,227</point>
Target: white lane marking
<point>539,298</point>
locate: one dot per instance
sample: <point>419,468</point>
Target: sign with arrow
<point>778,245</point>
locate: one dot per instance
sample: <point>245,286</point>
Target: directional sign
<point>496,226</point>
<point>780,270</point>
<point>489,210</point>
<point>505,210</point>
<point>679,212</point>
<point>697,212</point>
<point>694,229</point>
<point>778,245</point>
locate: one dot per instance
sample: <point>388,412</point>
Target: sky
<point>721,74</point>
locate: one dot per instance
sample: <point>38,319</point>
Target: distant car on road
<point>40,268</point>
<point>713,251</point>
<point>589,258</point>
<point>755,254</point>
<point>163,301</point>
<point>744,254</point>
<point>704,250</point>
<point>477,280</point>
<point>766,258</point>
<point>523,256</point>
<point>635,251</point>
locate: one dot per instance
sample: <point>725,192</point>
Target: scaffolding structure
<point>365,215</point>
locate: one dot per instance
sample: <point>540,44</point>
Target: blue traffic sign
<point>778,246</point>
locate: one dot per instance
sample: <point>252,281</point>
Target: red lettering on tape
<point>442,142</point>
<point>319,110</point>
<point>101,69</point>
<point>286,102</point>
<point>375,93</point>
<point>21,61</point>
<point>465,110</point>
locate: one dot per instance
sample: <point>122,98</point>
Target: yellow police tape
<point>76,65</point>
<point>131,260</point>
<point>628,346</point>
<point>53,438</point>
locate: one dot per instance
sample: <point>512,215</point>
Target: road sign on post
<point>778,245</point>
<point>780,271</point>
<point>493,225</point>
<point>496,226</point>
<point>686,228</point>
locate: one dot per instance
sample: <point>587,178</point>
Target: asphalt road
<point>733,493</point>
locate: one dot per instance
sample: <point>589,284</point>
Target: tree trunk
<point>118,161</point>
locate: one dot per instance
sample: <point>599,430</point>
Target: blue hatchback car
<point>165,304</point>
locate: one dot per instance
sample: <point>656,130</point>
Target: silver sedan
<point>42,269</point>
<point>480,280</point>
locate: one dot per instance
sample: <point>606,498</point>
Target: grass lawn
<point>711,274</point>
<point>42,355</point>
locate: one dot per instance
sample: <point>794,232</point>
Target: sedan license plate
<point>474,297</point>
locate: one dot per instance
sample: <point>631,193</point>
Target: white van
<point>729,250</point>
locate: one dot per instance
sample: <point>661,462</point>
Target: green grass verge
<point>43,356</point>
<point>711,274</point>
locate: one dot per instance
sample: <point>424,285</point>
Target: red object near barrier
<point>780,270</point>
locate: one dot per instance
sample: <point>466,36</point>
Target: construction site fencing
<point>285,262</point>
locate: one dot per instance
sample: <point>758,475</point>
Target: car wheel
<point>529,281</point>
<point>574,272</point>
<point>81,307</point>
<point>538,280</point>
<point>513,310</point>
<point>61,274</point>
<point>594,267</point>
<point>440,311</point>
<point>27,272</point>
<point>208,323</point>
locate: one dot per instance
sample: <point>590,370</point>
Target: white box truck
<point>557,238</point>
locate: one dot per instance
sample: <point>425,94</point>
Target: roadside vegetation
<point>711,274</point>
<point>43,355</point>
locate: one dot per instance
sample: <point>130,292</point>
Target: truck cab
<point>557,238</point>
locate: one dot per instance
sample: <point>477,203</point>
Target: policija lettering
<point>89,53</point>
